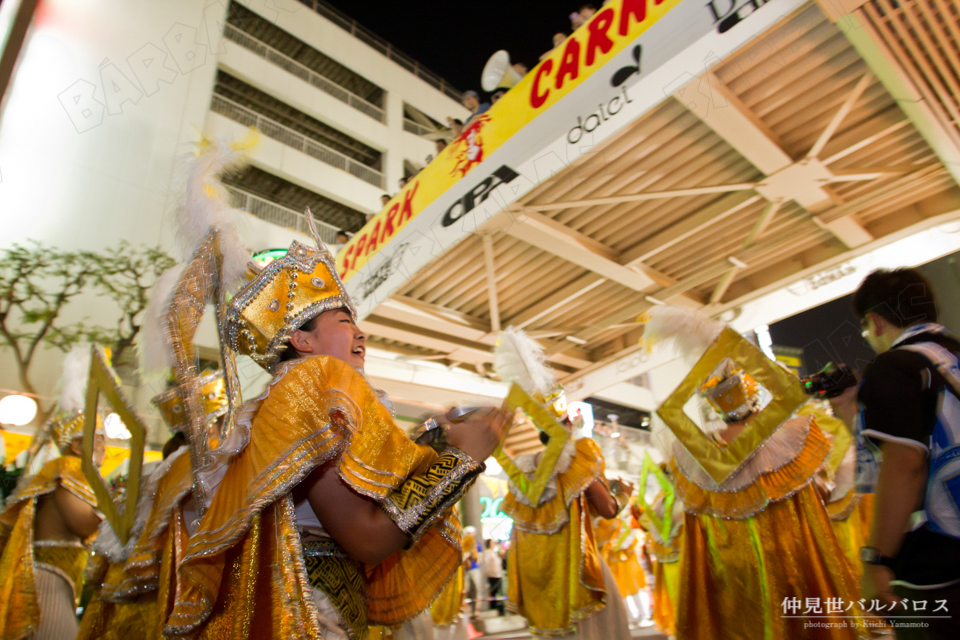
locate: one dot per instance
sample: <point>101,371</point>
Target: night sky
<point>455,39</point>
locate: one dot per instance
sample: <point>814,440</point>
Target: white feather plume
<point>155,353</point>
<point>518,358</point>
<point>73,383</point>
<point>206,206</point>
<point>691,331</point>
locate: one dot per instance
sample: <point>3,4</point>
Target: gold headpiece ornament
<point>213,398</point>
<point>67,424</point>
<point>731,391</point>
<point>281,297</point>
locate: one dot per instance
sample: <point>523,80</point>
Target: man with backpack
<point>910,407</point>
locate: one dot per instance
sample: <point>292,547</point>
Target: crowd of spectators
<point>476,105</point>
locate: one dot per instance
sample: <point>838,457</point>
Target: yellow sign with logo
<point>608,32</point>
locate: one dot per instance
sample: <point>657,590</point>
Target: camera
<point>829,382</point>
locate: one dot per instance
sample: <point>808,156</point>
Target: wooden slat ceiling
<point>810,105</point>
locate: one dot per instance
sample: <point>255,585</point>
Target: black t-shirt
<point>899,396</point>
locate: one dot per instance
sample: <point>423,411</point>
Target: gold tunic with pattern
<point>554,575</point>
<point>19,612</point>
<point>245,572</point>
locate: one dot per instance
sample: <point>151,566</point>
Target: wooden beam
<point>491,282</point>
<point>874,129</point>
<point>548,235</point>
<point>712,214</point>
<point>841,113</point>
<point>557,300</point>
<point>639,197</point>
<point>723,111</point>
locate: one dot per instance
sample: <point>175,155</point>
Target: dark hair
<point>458,121</point>
<point>544,437</point>
<point>341,232</point>
<point>289,353</point>
<point>174,443</point>
<point>902,297</point>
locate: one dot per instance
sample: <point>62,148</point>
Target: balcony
<point>291,138</point>
<point>303,72</point>
<point>281,216</point>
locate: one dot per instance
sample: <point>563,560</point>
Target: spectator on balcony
<point>582,16</point>
<point>402,182</point>
<point>456,126</point>
<point>521,68</point>
<point>384,200</point>
<point>558,39</point>
<point>499,93</point>
<point>471,100</point>
<point>440,144</point>
<point>342,238</point>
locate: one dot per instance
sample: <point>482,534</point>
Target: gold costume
<point>665,554</point>
<point>756,536</point>
<point>554,571</point>
<point>245,572</point>
<point>618,546</point>
<point>136,592</point>
<point>21,555</point>
<point>747,551</point>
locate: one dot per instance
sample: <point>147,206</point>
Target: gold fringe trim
<point>769,487</point>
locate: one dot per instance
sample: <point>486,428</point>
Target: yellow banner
<point>590,47</point>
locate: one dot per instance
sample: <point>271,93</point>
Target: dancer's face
<point>334,334</point>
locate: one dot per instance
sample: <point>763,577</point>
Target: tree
<point>37,283</point>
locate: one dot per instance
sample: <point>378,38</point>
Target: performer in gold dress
<point>756,536</point>
<point>663,543</point>
<point>618,541</point>
<point>47,525</point>
<point>319,516</point>
<point>137,579</point>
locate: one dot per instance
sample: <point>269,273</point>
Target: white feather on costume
<point>518,358</point>
<point>206,206</point>
<point>73,383</point>
<point>156,356</point>
<point>691,331</point>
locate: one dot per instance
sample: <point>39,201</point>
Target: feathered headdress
<point>691,331</point>
<point>518,358</point>
<point>206,206</point>
<point>155,355</point>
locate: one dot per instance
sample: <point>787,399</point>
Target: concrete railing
<point>280,215</point>
<point>303,72</point>
<point>292,138</point>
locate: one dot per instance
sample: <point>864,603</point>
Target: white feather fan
<point>205,206</point>
<point>691,331</point>
<point>155,354</point>
<point>518,358</point>
<point>73,384</point>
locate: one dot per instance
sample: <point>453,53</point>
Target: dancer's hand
<point>478,434</point>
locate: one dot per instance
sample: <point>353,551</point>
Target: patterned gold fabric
<point>618,548</point>
<point>244,567</point>
<point>213,401</point>
<point>769,541</point>
<point>422,499</point>
<point>19,612</point>
<point>555,578</point>
<point>340,577</point>
<point>448,607</point>
<point>119,621</point>
<point>851,518</point>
